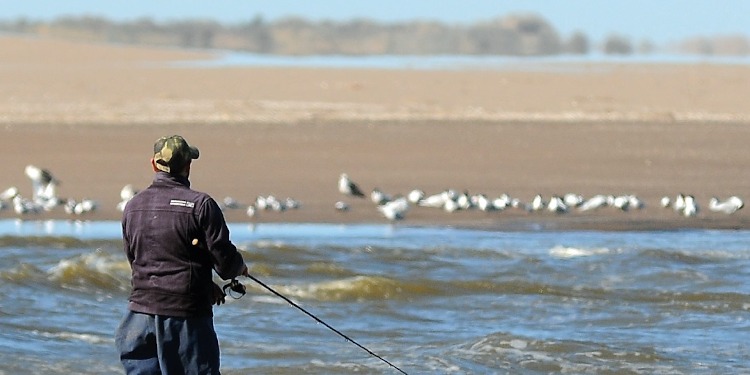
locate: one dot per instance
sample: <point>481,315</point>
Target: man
<point>174,237</point>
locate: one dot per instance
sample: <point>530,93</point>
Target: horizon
<point>660,22</point>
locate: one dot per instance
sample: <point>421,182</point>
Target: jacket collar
<point>164,178</point>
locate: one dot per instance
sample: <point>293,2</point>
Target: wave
<point>363,288</point>
<point>360,288</point>
<point>95,271</point>
<point>517,353</point>
<point>55,242</point>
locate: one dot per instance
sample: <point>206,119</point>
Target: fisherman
<point>174,238</point>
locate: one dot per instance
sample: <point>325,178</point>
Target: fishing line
<point>347,338</point>
<point>239,289</point>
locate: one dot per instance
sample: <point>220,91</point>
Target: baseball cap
<point>172,153</point>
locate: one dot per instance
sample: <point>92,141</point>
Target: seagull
<point>572,200</point>
<point>292,203</point>
<point>395,209</point>
<point>434,201</point>
<point>464,201</point>
<point>250,211</point>
<point>502,202</point>
<point>22,206</point>
<point>450,205</point>
<point>84,206</point>
<point>483,203</point>
<point>43,184</point>
<point>261,203</point>
<point>341,206</point>
<point>379,197</point>
<point>594,202</point>
<point>622,202</point>
<point>728,206</point>
<point>415,196</point>
<point>691,207</point>
<point>635,202</point>
<point>39,175</point>
<point>557,205</point>
<point>230,203</point>
<point>9,193</point>
<point>666,201</point>
<point>679,203</point>
<point>347,187</point>
<point>274,204</point>
<point>537,203</point>
<point>128,192</point>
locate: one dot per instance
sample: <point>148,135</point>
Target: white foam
<point>575,252</point>
<point>72,336</point>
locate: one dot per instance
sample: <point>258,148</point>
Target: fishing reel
<point>236,289</point>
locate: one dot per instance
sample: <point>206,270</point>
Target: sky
<point>660,21</point>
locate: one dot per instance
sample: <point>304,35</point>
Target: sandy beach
<point>90,114</point>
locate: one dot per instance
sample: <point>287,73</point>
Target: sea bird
<point>341,206</point>
<point>394,210</point>
<point>691,206</point>
<point>379,197</point>
<point>728,206</point>
<point>415,196</point>
<point>557,205</point>
<point>348,187</point>
<point>43,184</point>
<point>595,202</point>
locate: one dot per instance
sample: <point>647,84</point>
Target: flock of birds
<point>43,196</point>
<point>395,207</point>
<point>392,207</point>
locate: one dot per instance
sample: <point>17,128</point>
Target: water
<point>429,300</point>
<point>566,63</point>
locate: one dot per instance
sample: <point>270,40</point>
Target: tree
<point>578,44</point>
<point>617,45</point>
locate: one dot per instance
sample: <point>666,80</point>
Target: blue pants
<point>154,344</point>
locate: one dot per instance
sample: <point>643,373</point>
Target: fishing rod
<point>237,287</point>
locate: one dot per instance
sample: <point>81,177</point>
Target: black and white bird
<point>9,193</point>
<point>395,209</point>
<point>557,205</point>
<point>379,197</point>
<point>43,184</point>
<point>341,206</point>
<point>597,201</point>
<point>415,196</point>
<point>690,207</point>
<point>126,194</point>
<point>348,187</point>
<point>728,206</point>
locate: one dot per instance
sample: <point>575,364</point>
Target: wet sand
<point>90,114</point>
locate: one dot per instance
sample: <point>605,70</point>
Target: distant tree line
<point>516,35</point>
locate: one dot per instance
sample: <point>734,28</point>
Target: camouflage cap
<point>172,153</point>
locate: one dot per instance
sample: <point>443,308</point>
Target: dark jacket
<point>170,275</point>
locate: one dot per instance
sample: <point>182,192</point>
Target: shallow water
<point>429,300</point>
<point>567,63</point>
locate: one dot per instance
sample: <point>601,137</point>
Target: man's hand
<point>245,271</point>
<point>218,295</point>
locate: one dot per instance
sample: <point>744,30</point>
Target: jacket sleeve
<point>228,262</point>
<point>126,241</point>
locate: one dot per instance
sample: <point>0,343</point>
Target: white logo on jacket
<point>181,203</point>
